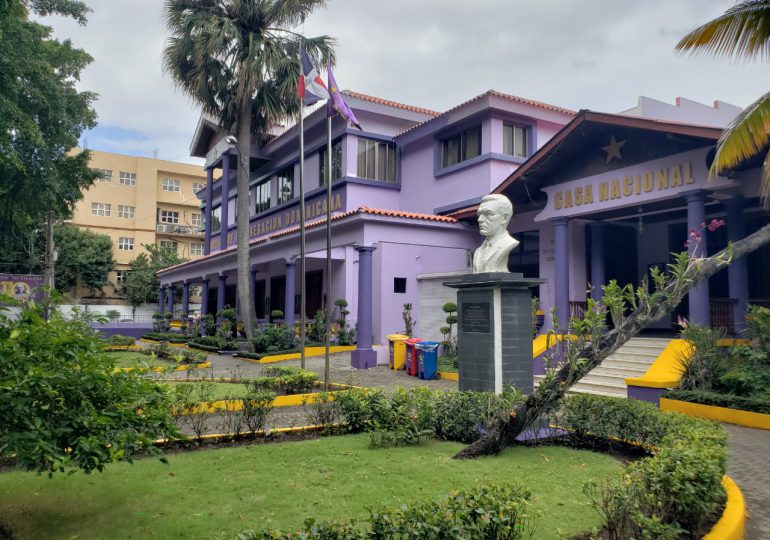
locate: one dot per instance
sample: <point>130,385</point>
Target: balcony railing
<point>169,228</point>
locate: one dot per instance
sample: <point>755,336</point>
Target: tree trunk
<point>245,294</point>
<point>504,432</point>
<point>48,269</point>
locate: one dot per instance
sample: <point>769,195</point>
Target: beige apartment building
<point>141,201</point>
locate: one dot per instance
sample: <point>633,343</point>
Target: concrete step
<point>612,379</point>
<point>636,349</point>
<point>622,354</point>
<point>623,372</point>
<point>602,389</point>
<point>623,364</point>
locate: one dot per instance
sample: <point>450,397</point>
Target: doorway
<point>314,284</point>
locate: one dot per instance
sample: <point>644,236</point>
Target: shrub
<point>291,380</point>
<point>214,343</point>
<point>758,328</point>
<point>172,337</point>
<point>117,340</point>
<point>491,512</point>
<point>322,412</point>
<point>702,367</point>
<point>677,488</point>
<point>275,337</point>
<point>257,404</point>
<point>759,405</point>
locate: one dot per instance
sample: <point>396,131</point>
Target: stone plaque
<point>475,318</point>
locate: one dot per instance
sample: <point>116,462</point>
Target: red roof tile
<point>495,93</point>
<point>388,103</point>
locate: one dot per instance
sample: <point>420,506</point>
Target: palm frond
<point>745,137</point>
<point>743,32</point>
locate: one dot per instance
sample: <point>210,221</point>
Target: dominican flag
<point>336,103</point>
<point>310,87</point>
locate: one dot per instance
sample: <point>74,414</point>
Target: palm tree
<point>742,33</point>
<point>239,60</point>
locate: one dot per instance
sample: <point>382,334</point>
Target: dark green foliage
<point>163,351</point>
<point>345,334</point>
<point>213,343</point>
<point>257,405</point>
<point>318,327</point>
<point>172,337</point>
<point>276,314</point>
<point>62,405</point>
<point>142,284</point>
<point>291,380</point>
<point>677,488</point>
<point>85,258</point>
<point>118,340</point>
<point>408,415</point>
<point>200,346</point>
<point>703,366</point>
<point>449,343</point>
<point>759,405</point>
<point>209,324</point>
<point>487,512</point>
<point>758,328</point>
<point>409,322</point>
<point>279,337</point>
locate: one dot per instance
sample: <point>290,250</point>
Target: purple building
<point>393,185</point>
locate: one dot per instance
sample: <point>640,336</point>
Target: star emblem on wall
<point>613,149</point>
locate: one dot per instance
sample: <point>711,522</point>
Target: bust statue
<point>494,214</point>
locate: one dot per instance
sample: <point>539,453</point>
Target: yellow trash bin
<point>397,351</point>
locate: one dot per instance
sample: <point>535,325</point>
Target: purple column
<point>204,296</point>
<point>209,199</point>
<point>561,264</point>
<point>170,298</point>
<point>161,299</point>
<point>597,259</point>
<point>221,292</point>
<point>738,271</point>
<point>186,298</point>
<point>291,292</point>
<point>699,295</point>
<point>254,273</point>
<point>225,181</point>
<point>364,356</point>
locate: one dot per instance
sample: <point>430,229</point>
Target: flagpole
<point>329,162</point>
<point>302,322</point>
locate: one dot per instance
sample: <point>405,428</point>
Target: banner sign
<point>22,287</point>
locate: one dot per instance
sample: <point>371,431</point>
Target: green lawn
<point>217,493</point>
<point>132,359</point>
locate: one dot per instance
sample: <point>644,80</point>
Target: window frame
<point>126,243</point>
<point>165,219</point>
<point>126,211</point>
<point>526,138</point>
<point>373,151</point>
<point>285,177</point>
<point>105,175</point>
<point>336,162</point>
<point>196,219</point>
<point>194,251</point>
<point>168,183</point>
<point>120,276</point>
<point>216,218</point>
<point>260,203</point>
<point>201,186</point>
<point>101,209</point>
<point>128,180</point>
<point>163,242</point>
<point>461,140</point>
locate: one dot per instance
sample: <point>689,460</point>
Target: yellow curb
<point>732,342</point>
<point>237,404</point>
<point>309,352</point>
<point>449,375</point>
<point>543,342</point>
<point>119,348</point>
<point>722,414</point>
<point>732,524</point>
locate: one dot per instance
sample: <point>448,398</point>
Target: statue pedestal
<point>494,336</point>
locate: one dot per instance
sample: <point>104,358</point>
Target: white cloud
<point>594,54</point>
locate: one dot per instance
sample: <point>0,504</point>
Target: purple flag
<point>336,103</point>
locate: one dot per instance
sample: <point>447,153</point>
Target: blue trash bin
<point>427,359</point>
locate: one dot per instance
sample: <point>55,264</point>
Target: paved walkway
<point>749,465</point>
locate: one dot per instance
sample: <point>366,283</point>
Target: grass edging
<point>732,524</point>
<point>162,369</point>
<point>722,414</point>
<point>293,400</point>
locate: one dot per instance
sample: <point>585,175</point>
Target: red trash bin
<point>411,356</point>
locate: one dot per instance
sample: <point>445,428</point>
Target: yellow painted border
<point>449,375</point>
<point>732,524</point>
<point>543,342</point>
<point>309,352</point>
<point>162,369</point>
<point>121,348</point>
<point>723,414</point>
<point>666,370</point>
<point>280,401</point>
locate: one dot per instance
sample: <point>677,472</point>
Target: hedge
<point>260,356</point>
<point>200,346</point>
<point>667,495</point>
<point>171,337</point>
<point>730,401</point>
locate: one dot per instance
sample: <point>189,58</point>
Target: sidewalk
<point>748,463</point>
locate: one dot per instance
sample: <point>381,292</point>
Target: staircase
<point>631,360</point>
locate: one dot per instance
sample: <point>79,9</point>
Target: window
<point>126,211</point>
<point>525,257</point>
<point>170,184</point>
<point>376,160</point>
<point>120,276</point>
<point>195,219</point>
<point>166,244</point>
<point>169,216</point>
<point>399,285</point>
<point>105,175</point>
<point>101,209</point>
<point>196,248</point>
<point>461,147</point>
<point>515,140</point>
<point>127,178</point>
<point>286,184</point>
<point>336,163</point>
<point>262,199</point>
<point>198,186</point>
<point>216,218</point>
<point>125,244</point>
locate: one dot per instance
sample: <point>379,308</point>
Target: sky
<point>579,54</point>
